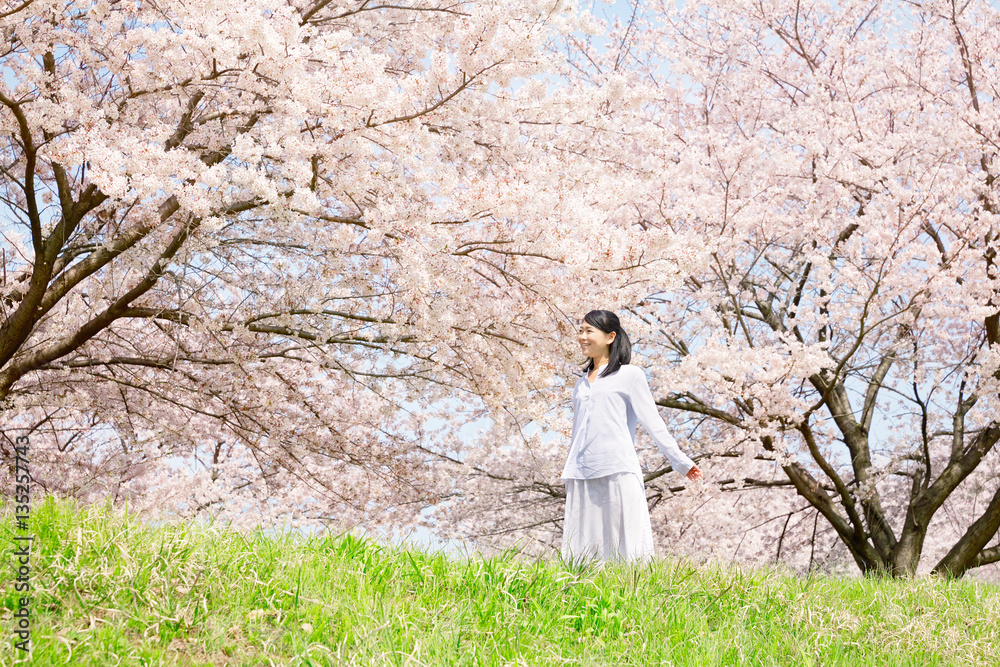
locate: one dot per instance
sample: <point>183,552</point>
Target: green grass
<point>110,590</point>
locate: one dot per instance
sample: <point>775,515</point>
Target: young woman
<point>606,512</point>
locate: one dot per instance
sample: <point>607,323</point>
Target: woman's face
<point>594,342</point>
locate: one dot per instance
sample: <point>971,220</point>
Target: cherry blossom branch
<point>466,82</point>
<point>319,6</point>
<point>969,548</point>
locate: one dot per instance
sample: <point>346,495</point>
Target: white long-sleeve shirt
<point>604,419</point>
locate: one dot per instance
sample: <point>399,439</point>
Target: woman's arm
<point>649,417</point>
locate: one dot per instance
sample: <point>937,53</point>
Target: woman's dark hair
<point>620,352</point>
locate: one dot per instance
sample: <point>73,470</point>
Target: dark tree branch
<point>968,551</point>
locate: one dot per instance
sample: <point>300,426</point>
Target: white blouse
<point>604,417</point>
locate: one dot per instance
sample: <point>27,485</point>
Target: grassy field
<point>111,591</point>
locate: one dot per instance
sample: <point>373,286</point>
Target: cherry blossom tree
<point>833,356</point>
<point>256,253</point>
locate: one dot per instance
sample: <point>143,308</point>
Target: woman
<point>606,513</point>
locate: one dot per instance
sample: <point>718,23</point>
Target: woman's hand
<point>694,473</point>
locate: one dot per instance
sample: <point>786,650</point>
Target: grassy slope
<point>112,591</point>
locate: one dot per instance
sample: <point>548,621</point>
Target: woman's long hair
<point>620,352</point>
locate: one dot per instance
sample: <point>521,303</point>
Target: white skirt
<point>607,518</point>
